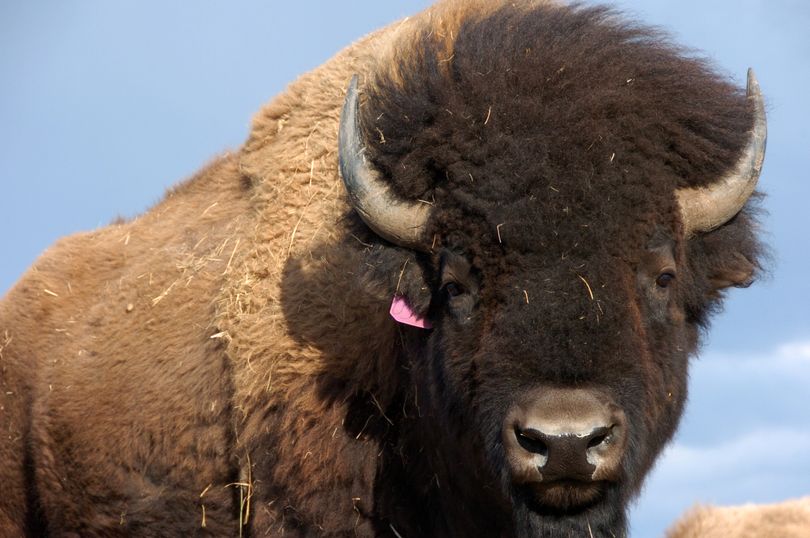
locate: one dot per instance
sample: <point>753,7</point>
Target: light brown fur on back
<point>141,361</point>
<point>789,519</point>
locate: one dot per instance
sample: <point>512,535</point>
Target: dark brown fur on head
<point>551,141</point>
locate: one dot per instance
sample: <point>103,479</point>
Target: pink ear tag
<point>402,312</point>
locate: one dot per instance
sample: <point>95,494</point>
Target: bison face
<point>575,231</point>
<point>566,377</point>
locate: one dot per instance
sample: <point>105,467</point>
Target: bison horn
<point>400,221</point>
<point>704,209</point>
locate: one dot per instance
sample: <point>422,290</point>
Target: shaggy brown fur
<point>225,363</point>
<point>789,519</point>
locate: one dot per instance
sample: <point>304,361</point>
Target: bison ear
<point>737,271</point>
<point>730,256</point>
<point>396,272</point>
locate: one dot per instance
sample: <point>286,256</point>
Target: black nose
<point>554,434</point>
<point>567,456</point>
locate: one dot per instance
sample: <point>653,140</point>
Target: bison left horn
<point>400,221</point>
<point>704,209</point>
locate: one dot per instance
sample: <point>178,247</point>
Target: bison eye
<point>452,289</point>
<point>664,279</point>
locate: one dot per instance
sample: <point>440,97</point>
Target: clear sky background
<point>103,105</point>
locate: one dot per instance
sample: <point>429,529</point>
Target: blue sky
<point>103,105</point>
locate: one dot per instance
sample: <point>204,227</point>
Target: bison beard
<point>561,194</point>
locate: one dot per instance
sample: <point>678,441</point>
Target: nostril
<point>599,436</point>
<point>596,441</point>
<point>530,441</point>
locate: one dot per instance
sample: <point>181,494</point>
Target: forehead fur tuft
<point>546,120</point>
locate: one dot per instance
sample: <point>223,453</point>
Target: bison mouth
<point>563,496</point>
<point>568,508</point>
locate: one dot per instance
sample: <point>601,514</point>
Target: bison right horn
<point>400,221</point>
<point>705,208</point>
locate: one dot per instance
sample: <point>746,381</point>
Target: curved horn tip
<point>353,83</point>
<point>752,85</point>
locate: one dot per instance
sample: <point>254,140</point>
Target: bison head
<point>575,189</point>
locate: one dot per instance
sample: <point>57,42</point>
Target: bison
<point>788,519</point>
<point>449,286</point>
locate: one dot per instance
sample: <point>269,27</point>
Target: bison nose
<point>554,434</point>
<point>566,456</point>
